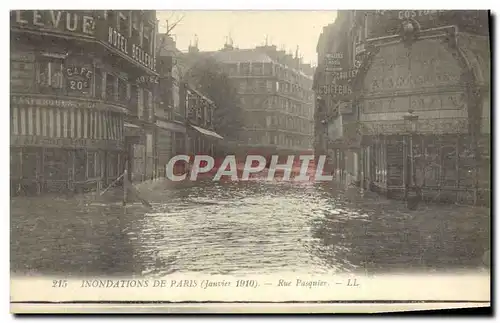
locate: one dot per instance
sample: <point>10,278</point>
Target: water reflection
<point>242,227</point>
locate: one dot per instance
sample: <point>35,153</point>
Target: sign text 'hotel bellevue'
<point>83,24</point>
<point>134,51</point>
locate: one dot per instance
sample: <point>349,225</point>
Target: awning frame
<point>207,132</point>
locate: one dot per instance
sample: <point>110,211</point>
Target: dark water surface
<point>242,227</point>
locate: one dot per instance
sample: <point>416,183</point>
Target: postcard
<point>273,162</point>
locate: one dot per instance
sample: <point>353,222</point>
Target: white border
<point>199,5</point>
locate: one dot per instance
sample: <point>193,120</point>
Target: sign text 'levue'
<point>58,20</point>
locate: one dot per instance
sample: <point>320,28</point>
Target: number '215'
<point>60,283</point>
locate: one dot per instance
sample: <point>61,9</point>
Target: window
<point>244,68</point>
<point>112,164</point>
<point>268,69</point>
<point>269,86</point>
<point>136,35</point>
<point>176,98</point>
<point>257,68</point>
<point>91,164</point>
<point>123,91</point>
<point>149,104</point>
<point>110,87</point>
<point>260,85</point>
<point>140,102</point>
<point>242,86</point>
<point>50,74</point>
<point>98,83</point>
<point>123,23</point>
<point>147,42</point>
<point>22,70</point>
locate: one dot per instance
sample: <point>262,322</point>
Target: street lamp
<point>411,125</point>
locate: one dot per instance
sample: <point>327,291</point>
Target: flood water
<point>243,227</point>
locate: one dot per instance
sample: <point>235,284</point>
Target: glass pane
<point>55,164</point>
<point>80,165</point>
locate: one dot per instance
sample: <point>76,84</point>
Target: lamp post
<point>411,124</point>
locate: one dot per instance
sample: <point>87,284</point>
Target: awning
<point>132,130</point>
<point>129,125</point>
<point>207,132</point>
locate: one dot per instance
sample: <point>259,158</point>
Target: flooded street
<point>243,227</point>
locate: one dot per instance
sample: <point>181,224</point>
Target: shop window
<point>56,163</point>
<point>91,164</point>
<point>134,98</point>
<point>467,164</point>
<point>449,160</point>
<point>22,71</point>
<point>176,98</point>
<point>16,158</point>
<point>50,75</point>
<point>149,104</point>
<point>80,165</point>
<point>112,165</point>
<point>140,102</point>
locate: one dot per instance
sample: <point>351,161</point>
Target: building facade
<point>276,94</point>
<point>184,117</point>
<point>75,89</point>
<point>421,102</point>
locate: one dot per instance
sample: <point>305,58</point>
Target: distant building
<point>81,97</point>
<point>276,94</point>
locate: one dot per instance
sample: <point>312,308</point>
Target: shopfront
<point>170,141</point>
<point>62,145</point>
<point>435,152</point>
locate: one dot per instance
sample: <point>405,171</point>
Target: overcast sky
<point>285,29</point>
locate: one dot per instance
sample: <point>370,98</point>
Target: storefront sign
<point>33,101</point>
<point>335,90</point>
<point>148,79</point>
<point>65,142</point>
<point>416,14</point>
<point>79,78</point>
<point>134,51</point>
<point>345,75</point>
<point>333,62</point>
<point>57,20</point>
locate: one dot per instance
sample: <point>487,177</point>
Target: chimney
<point>193,49</point>
<point>166,45</point>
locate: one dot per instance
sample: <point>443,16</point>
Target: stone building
<point>78,105</point>
<point>184,117</point>
<point>421,96</point>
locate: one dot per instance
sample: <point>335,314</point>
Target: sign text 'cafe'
<point>134,51</point>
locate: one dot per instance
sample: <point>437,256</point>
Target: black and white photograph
<point>249,156</point>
